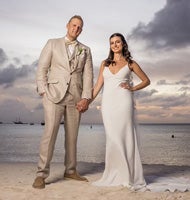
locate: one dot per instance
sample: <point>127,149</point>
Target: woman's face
<point>116,44</point>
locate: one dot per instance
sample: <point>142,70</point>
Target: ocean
<point>167,144</point>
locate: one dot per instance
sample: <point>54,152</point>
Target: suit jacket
<point>54,74</point>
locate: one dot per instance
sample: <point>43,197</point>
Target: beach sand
<point>16,183</point>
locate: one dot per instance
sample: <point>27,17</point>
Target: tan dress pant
<point>53,114</point>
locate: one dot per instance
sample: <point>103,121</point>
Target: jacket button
<point>67,83</point>
<point>71,73</point>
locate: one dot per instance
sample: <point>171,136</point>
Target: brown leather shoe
<point>75,176</point>
<point>39,183</point>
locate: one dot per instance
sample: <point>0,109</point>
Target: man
<point>64,80</point>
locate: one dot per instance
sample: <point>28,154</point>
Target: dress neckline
<point>117,71</point>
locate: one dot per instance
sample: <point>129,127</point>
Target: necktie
<point>71,42</point>
<point>71,46</point>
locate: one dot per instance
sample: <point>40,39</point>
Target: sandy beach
<point>16,183</point>
<point>162,156</point>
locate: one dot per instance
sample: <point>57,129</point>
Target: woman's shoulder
<point>103,63</point>
<point>102,66</point>
<point>133,64</point>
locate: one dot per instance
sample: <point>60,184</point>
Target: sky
<point>157,31</point>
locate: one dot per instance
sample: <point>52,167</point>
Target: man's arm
<point>82,105</point>
<point>43,67</point>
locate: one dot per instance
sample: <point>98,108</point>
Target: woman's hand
<point>125,86</point>
<point>82,105</point>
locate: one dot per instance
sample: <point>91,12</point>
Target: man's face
<point>74,28</point>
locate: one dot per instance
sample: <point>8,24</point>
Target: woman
<point>122,165</point>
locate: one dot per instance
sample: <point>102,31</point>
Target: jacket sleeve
<point>44,64</point>
<point>88,76</point>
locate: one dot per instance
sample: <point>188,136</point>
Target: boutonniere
<point>80,50</point>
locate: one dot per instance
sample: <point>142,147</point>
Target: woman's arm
<point>99,83</point>
<point>145,81</point>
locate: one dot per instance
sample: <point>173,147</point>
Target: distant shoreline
<point>39,123</point>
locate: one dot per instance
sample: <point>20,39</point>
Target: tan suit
<point>65,81</point>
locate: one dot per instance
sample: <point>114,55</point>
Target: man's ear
<point>67,26</point>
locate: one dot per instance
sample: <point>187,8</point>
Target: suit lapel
<point>74,56</point>
<point>65,53</point>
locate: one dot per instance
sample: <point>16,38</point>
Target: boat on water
<point>18,122</point>
<point>42,123</point>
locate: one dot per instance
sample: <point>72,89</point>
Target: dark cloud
<point>163,82</point>
<point>174,101</point>
<point>9,74</point>
<point>168,101</point>
<point>144,94</point>
<point>16,60</point>
<point>3,56</point>
<point>169,28</point>
<point>184,89</point>
<point>180,82</point>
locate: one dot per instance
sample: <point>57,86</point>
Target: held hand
<point>125,86</point>
<point>82,105</point>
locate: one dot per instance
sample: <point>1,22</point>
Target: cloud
<point>181,115</point>
<point>145,94</point>
<point>12,69</point>
<point>8,75</point>
<point>3,56</point>
<point>169,101</point>
<point>181,82</point>
<point>163,82</point>
<point>11,73</point>
<point>169,28</point>
<point>16,60</point>
<point>184,89</point>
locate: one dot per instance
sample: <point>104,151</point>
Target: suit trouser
<point>53,114</point>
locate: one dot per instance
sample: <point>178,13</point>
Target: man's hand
<point>42,94</point>
<point>82,105</point>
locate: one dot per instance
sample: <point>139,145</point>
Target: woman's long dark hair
<point>125,51</point>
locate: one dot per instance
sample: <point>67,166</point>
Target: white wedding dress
<point>122,164</point>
